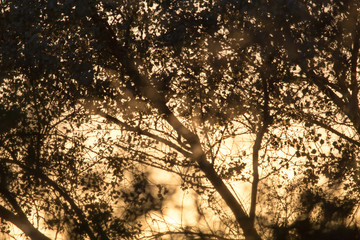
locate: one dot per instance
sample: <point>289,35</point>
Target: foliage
<point>95,95</point>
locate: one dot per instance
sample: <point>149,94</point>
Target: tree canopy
<point>253,105</point>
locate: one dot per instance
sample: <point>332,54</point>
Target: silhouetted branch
<point>189,233</point>
<point>312,119</point>
<point>142,132</point>
<point>158,101</point>
<point>263,126</point>
<point>19,219</point>
<point>23,224</point>
<point>80,214</point>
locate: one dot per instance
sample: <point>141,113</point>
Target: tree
<point>176,81</point>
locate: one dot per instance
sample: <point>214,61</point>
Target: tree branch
<point>354,55</point>
<point>311,119</point>
<point>263,126</point>
<point>188,233</point>
<point>255,160</point>
<point>64,194</point>
<point>20,220</point>
<point>142,132</point>
<point>325,86</point>
<point>158,102</point>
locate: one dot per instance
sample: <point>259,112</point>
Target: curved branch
<point>19,219</point>
<point>23,224</point>
<point>64,194</point>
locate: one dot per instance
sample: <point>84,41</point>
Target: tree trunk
<point>157,100</point>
